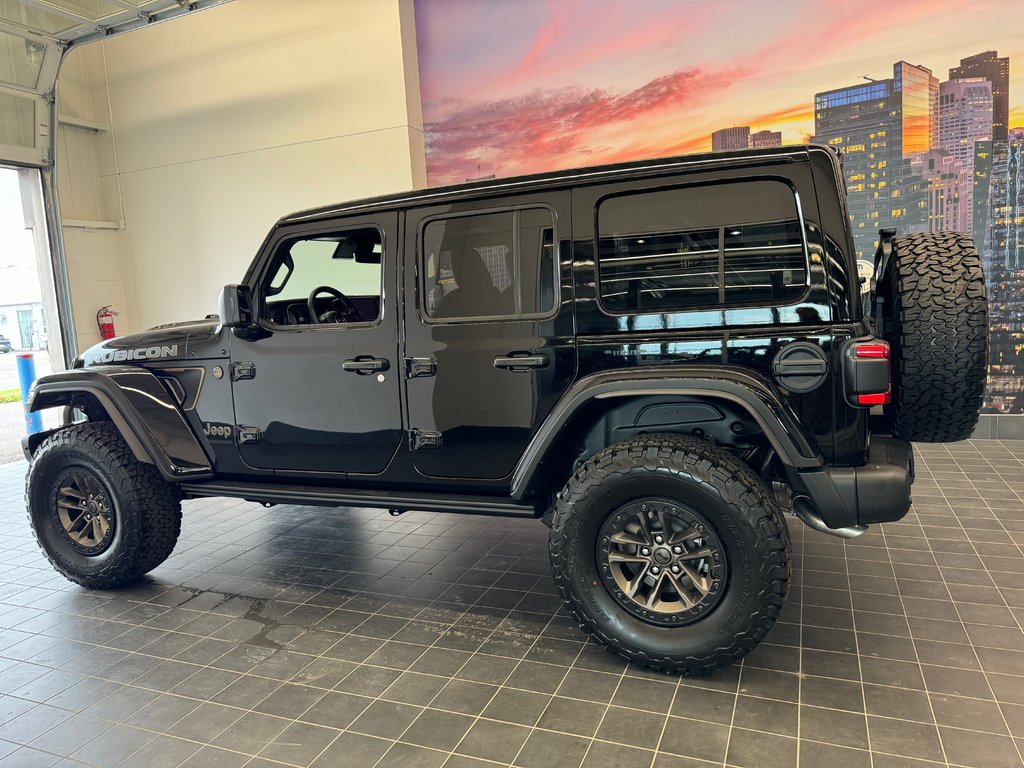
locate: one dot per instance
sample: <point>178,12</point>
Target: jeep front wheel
<point>101,517</point>
<point>672,552</point>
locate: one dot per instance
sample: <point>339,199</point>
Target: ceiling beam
<point>22,31</point>
<point>137,18</point>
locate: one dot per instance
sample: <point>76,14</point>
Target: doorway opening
<point>28,307</point>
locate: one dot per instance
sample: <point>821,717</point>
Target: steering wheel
<point>344,310</point>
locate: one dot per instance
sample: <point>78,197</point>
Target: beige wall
<point>87,188</point>
<point>226,120</point>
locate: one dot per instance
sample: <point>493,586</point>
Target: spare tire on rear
<point>935,317</point>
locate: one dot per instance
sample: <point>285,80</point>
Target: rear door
<point>490,345</point>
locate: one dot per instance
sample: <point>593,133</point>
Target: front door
<point>316,383</point>
<point>489,343</point>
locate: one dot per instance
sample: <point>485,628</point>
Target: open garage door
<point>35,35</point>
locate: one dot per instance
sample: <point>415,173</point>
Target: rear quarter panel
<point>748,336</point>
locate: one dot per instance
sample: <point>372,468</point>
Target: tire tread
<point>736,484</point>
<point>141,490</point>
<point>940,336</point>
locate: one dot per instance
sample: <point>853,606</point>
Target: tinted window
<point>703,246</point>
<point>536,262</point>
<point>489,265</point>
<point>347,262</point>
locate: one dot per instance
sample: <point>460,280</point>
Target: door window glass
<point>345,270</point>
<point>489,265</point>
<point>702,246</point>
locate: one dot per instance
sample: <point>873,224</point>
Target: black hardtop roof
<point>434,195</point>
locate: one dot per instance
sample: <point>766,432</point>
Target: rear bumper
<point>877,492</point>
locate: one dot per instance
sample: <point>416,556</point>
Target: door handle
<point>520,361</point>
<point>365,365</point>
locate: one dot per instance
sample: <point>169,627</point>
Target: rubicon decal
<point>142,353</point>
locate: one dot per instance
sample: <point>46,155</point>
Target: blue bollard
<point>27,377</point>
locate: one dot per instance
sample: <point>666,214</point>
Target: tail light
<point>867,378</point>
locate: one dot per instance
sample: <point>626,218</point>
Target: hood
<point>172,341</point>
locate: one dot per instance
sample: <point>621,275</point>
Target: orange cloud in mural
<point>531,85</point>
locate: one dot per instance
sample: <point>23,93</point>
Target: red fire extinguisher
<point>105,321</point>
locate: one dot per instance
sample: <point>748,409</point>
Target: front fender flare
<point>746,388</point>
<point>140,407</point>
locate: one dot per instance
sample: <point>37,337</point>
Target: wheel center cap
<point>93,508</point>
<point>662,556</point>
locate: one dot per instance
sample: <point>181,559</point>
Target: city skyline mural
<point>924,99</point>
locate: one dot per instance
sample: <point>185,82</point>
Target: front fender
<point>140,407</point>
<point>741,386</point>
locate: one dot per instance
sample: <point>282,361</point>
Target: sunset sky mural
<point>513,87</point>
<point>532,85</point>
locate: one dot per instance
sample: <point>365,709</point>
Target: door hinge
<point>248,434</point>
<point>242,371</point>
<point>419,438</point>
<point>419,366</point>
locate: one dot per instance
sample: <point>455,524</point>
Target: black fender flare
<point>741,386</point>
<point>140,407</point>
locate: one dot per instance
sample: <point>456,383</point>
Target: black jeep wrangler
<point>657,358</point>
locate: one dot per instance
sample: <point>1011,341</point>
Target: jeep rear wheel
<point>101,517</point>
<point>672,552</point>
<point>936,320</point>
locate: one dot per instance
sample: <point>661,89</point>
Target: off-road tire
<point>936,321</point>
<point>147,508</point>
<point>729,495</point>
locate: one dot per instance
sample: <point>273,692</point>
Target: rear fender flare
<point>740,386</point>
<point>145,414</point>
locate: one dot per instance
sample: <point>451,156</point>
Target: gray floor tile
<point>270,631</point>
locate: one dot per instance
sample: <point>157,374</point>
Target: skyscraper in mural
<point>996,69</point>
<point>731,138</point>
<point>763,139</point>
<point>876,125</point>
<point>965,118</point>
<point>980,193</point>
<point>947,189</point>
<point>1005,276</point>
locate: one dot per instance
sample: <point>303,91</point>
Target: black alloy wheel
<point>672,552</point>
<point>85,511</point>
<point>662,562</point>
<point>102,517</point>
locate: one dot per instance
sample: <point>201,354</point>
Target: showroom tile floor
<point>301,636</point>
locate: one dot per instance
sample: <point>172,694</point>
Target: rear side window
<point>489,265</point>
<point>698,247</point>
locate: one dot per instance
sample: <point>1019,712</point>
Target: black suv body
<point>478,347</point>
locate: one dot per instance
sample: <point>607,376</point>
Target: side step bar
<point>275,493</point>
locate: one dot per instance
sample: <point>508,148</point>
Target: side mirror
<point>236,306</point>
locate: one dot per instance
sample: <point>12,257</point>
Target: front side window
<point>698,247</point>
<point>489,265</point>
<point>326,278</point>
